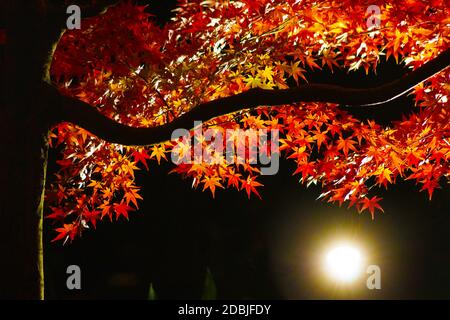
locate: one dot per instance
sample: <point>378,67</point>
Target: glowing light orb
<point>344,263</point>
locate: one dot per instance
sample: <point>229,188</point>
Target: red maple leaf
<point>122,209</point>
<point>142,157</point>
<point>371,205</point>
<point>430,186</point>
<point>68,231</point>
<point>250,186</point>
<point>91,216</point>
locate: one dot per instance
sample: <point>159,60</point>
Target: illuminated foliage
<point>142,75</point>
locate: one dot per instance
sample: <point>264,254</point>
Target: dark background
<point>261,249</point>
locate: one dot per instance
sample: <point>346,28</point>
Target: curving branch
<point>87,117</point>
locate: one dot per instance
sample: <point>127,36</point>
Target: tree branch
<point>88,8</point>
<point>87,117</point>
<point>98,7</point>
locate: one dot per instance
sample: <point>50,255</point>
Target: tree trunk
<point>22,180</point>
<point>32,27</point>
<point>24,125</point>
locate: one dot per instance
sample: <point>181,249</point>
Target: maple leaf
<point>339,195</point>
<point>310,61</point>
<point>122,209</point>
<point>254,82</point>
<point>250,185</point>
<point>296,71</point>
<point>64,164</point>
<point>329,60</point>
<point>430,186</point>
<point>141,156</point>
<point>107,209</point>
<point>91,216</point>
<point>131,195</point>
<point>438,156</point>
<point>346,145</point>
<point>68,231</point>
<point>384,176</point>
<point>233,179</point>
<point>198,167</point>
<point>267,73</point>
<point>57,214</point>
<point>413,158</point>
<point>306,169</point>
<point>320,137</point>
<point>299,153</point>
<point>287,143</point>
<point>211,183</point>
<point>127,167</point>
<point>107,193</point>
<point>335,129</point>
<point>397,162</point>
<point>158,152</point>
<point>395,45</point>
<point>371,205</point>
<point>95,184</point>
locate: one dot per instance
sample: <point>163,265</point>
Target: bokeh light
<point>343,262</point>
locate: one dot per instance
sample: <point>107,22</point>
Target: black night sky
<point>259,249</point>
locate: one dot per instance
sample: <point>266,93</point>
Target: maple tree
<point>116,89</point>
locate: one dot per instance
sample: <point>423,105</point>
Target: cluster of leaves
<point>141,75</point>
